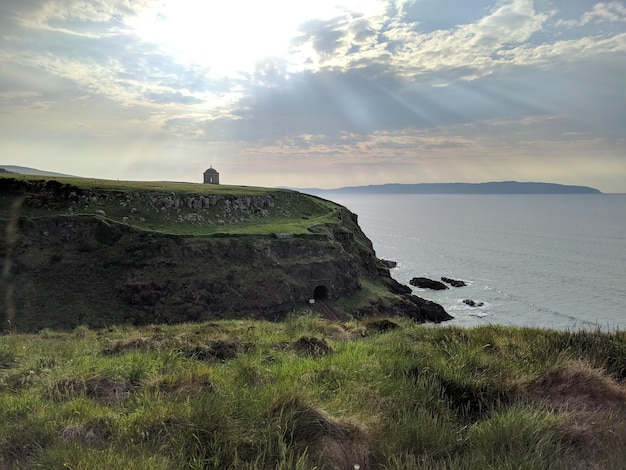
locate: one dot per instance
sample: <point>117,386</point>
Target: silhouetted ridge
<point>501,187</point>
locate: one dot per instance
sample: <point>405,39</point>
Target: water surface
<point>553,261</point>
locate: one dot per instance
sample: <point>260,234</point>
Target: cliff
<point>99,253</point>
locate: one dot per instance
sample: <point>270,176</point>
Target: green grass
<point>131,203</point>
<point>309,393</point>
<point>95,184</point>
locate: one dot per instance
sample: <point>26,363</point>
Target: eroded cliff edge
<point>87,252</point>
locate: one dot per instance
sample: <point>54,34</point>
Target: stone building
<point>211,176</point>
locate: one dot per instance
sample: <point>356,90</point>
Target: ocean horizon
<point>545,261</point>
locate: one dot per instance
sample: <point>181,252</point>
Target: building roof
<point>212,171</point>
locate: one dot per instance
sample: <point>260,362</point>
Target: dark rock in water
<point>389,263</point>
<point>422,309</point>
<point>473,303</point>
<point>427,283</point>
<point>453,282</point>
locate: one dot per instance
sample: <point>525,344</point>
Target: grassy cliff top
<point>168,207</point>
<point>308,393</point>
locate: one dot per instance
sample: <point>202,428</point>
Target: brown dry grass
<point>577,386</point>
<point>594,404</point>
<point>102,390</point>
<point>335,443</point>
<point>312,346</point>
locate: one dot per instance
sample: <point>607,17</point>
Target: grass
<point>383,393</point>
<point>145,205</point>
<point>309,393</point>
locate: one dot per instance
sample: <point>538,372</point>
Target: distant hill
<point>23,170</point>
<point>501,187</point>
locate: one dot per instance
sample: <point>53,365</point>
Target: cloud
<point>371,82</point>
<point>611,11</point>
<point>134,73</point>
<point>44,13</point>
<point>172,97</point>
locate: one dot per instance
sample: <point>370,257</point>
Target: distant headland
<point>494,187</point>
<point>499,187</point>
<point>24,170</point>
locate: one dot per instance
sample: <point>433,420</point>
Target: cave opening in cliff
<point>320,293</point>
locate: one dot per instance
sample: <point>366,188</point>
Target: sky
<point>321,93</point>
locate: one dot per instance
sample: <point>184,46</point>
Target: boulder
<point>425,310</point>
<point>389,264</point>
<point>473,303</point>
<point>426,283</point>
<point>453,282</point>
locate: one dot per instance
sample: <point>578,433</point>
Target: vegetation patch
<point>102,390</point>
<point>167,207</point>
<point>312,346</point>
<point>7,357</point>
<point>578,386</point>
<point>218,349</point>
<point>311,393</point>
<point>381,325</point>
<point>331,442</point>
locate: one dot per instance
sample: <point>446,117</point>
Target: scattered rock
<point>473,303</point>
<point>422,310</point>
<point>390,264</point>
<point>453,282</point>
<point>101,213</point>
<point>426,283</point>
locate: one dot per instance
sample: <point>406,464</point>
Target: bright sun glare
<point>232,36</point>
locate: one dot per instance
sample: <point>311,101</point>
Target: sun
<point>212,34</point>
<point>225,36</point>
<point>230,37</point>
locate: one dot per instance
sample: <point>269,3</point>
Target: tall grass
<point>309,393</point>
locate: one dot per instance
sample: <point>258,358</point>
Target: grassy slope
<point>293,213</point>
<point>309,393</point>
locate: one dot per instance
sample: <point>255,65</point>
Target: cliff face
<point>64,267</point>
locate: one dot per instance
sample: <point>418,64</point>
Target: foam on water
<point>553,261</point>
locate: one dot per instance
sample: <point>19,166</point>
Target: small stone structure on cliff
<point>211,176</point>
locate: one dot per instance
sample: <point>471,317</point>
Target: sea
<point>545,261</point>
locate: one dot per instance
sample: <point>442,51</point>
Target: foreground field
<point>309,393</point>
